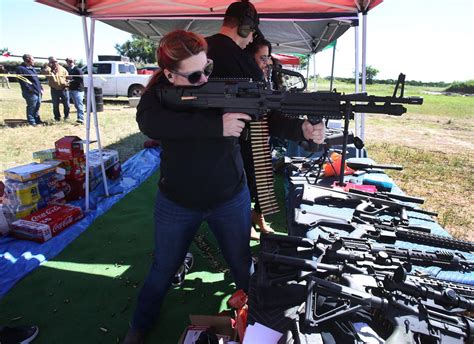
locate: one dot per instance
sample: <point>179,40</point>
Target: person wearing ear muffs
<point>226,49</point>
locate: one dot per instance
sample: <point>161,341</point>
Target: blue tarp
<point>19,257</point>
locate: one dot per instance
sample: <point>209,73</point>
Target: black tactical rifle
<point>386,232</point>
<point>366,203</point>
<point>254,99</point>
<point>363,253</point>
<point>412,320</point>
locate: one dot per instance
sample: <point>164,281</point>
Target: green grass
<point>444,180</point>
<point>118,129</point>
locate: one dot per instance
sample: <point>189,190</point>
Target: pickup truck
<point>117,78</point>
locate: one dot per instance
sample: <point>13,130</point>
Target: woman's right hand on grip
<point>234,123</point>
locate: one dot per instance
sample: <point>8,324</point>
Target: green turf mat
<point>87,293</point>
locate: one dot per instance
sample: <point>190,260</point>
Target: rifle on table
<point>415,308</point>
<point>362,253</point>
<point>410,318</point>
<point>366,202</point>
<point>254,99</point>
<point>382,232</point>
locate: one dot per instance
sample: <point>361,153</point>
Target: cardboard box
<point>109,156</point>
<point>45,223</point>
<point>28,172</point>
<point>45,154</point>
<point>69,147</point>
<point>221,325</point>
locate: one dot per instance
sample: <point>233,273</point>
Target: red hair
<point>175,47</point>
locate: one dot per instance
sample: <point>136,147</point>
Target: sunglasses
<point>194,77</point>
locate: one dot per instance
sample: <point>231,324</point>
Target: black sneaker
<point>18,334</point>
<point>188,263</point>
<point>79,121</point>
<point>178,278</point>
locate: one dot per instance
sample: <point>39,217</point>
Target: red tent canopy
<point>102,9</point>
<point>287,59</point>
<point>304,27</point>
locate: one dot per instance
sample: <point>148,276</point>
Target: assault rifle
<point>380,231</point>
<point>254,99</point>
<point>411,319</point>
<point>366,203</point>
<point>416,308</point>
<point>362,253</point>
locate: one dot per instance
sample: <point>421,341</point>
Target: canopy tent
<point>293,27</point>
<point>287,59</point>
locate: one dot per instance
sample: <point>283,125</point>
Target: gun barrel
<point>362,166</point>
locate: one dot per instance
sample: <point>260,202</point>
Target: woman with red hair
<point>201,176</point>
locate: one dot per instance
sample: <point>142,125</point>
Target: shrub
<point>462,87</point>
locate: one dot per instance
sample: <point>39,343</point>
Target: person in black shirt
<point>201,176</point>
<point>76,88</point>
<point>226,49</point>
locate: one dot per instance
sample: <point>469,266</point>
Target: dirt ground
<point>428,132</point>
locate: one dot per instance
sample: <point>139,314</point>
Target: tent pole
<point>364,65</point>
<point>356,79</point>
<point>307,68</point>
<point>88,103</point>
<point>332,65</point>
<point>96,120</point>
<point>314,72</point>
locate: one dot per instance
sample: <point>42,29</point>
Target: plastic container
<point>19,193</point>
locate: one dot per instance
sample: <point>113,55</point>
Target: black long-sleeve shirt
<point>77,82</point>
<point>199,166</point>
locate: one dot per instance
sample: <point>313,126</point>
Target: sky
<point>428,40</point>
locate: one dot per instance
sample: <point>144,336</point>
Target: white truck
<point>117,78</point>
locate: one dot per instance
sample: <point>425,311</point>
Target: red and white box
<point>69,147</point>
<point>46,223</point>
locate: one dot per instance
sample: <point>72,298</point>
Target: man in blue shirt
<point>31,90</point>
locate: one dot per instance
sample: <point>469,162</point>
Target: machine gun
<point>254,99</point>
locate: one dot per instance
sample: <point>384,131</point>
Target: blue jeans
<point>33,103</point>
<point>58,96</point>
<point>175,228</point>
<point>78,100</point>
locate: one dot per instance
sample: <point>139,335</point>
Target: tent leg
<point>314,72</point>
<point>332,66</point>
<point>364,70</point>
<point>356,79</point>
<point>88,104</point>
<point>96,120</point>
<point>89,48</point>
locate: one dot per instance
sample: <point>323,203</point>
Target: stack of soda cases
<point>29,188</point>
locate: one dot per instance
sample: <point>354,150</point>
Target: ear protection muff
<point>248,21</point>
